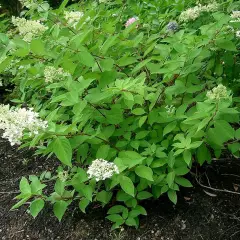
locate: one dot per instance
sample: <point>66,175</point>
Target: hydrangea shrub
<point>128,100</point>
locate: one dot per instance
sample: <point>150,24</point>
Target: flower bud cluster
<point>218,93</point>
<point>53,74</point>
<point>15,121</point>
<point>63,176</point>
<point>192,14</point>
<point>29,29</point>
<point>101,169</point>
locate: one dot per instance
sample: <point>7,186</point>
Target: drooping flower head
<point>131,21</point>
<point>15,121</point>
<point>101,169</point>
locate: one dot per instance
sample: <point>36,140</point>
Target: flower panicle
<point>101,169</point>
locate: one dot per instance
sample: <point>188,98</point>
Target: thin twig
<point>216,189</point>
<point>226,174</point>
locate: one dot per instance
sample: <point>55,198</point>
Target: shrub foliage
<point>134,93</point>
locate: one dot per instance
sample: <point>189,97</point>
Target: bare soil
<point>200,213</point>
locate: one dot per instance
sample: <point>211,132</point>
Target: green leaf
<point>140,65</point>
<point>87,192</point>
<point>172,195</point>
<point>226,44</point>
<point>141,135</point>
<point>63,150</point>
<point>203,123</point>
<point>138,111</point>
<point>122,196</point>
<point>187,156</point>
<point>181,171</point>
<point>138,210</point>
<point>203,154</point>
<point>170,127</point>
<point>131,158</point>
<point>115,115</point>
<point>127,185</point>
<point>116,209</point>
<point>59,187</point>
<point>131,222</point>
<point>234,147</point>
<point>221,133</point>
<point>20,203</point>
<point>83,203</point>
<point>104,196</point>
<point>111,40</point>
<point>62,6</point>
<point>183,182</point>
<point>4,64</point>
<point>142,120</point>
<point>103,151</point>
<point>115,218</point>
<point>107,77</point>
<point>171,159</point>
<point>144,195</point>
<point>237,134</point>
<point>59,208</point>
<point>86,58</point>
<point>36,185</point>
<point>170,178</point>
<point>36,206</point>
<point>124,61</point>
<point>24,186</point>
<point>37,47</point>
<point>144,172</point>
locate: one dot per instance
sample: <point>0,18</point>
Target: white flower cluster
<point>52,74</point>
<point>73,17</point>
<point>15,121</point>
<point>170,109</point>
<point>193,13</point>
<point>217,93</point>
<point>101,169</point>
<point>29,29</point>
<point>235,16</point>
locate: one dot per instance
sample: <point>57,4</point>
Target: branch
<point>216,189</point>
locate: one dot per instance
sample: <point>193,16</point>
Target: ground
<point>201,213</point>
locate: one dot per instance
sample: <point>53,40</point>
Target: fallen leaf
<point>235,187</point>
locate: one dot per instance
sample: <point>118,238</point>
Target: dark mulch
<point>197,215</point>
